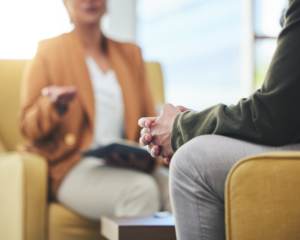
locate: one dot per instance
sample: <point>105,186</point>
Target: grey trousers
<point>197,183</point>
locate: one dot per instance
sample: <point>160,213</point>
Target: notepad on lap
<point>121,147</point>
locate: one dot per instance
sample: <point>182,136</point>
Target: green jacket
<point>271,116</point>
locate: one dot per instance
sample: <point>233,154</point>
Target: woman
<point>80,91</point>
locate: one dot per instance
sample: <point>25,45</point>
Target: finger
<point>69,97</point>
<point>149,148</point>
<point>146,122</point>
<point>144,131</point>
<point>132,157</point>
<point>155,151</point>
<point>156,148</point>
<point>72,89</point>
<point>72,96</point>
<point>120,161</point>
<point>146,139</point>
<point>109,161</point>
<point>154,154</point>
<point>62,99</point>
<point>59,99</point>
<point>167,160</point>
<point>65,99</point>
<point>68,89</point>
<point>117,157</point>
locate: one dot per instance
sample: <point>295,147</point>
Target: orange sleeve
<point>38,116</point>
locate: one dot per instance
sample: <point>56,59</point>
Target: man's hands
<point>157,131</point>
<point>60,95</point>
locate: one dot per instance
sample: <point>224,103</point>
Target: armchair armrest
<point>263,197</point>
<point>23,196</point>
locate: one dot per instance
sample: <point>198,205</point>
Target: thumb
<point>146,122</point>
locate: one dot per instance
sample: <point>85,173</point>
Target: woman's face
<point>86,11</point>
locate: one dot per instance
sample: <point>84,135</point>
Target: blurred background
<point>212,51</point>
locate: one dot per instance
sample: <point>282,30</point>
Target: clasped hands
<point>157,132</point>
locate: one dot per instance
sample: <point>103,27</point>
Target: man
<point>209,143</point>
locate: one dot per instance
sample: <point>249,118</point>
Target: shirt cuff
<point>176,134</point>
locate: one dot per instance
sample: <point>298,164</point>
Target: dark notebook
<point>121,147</point>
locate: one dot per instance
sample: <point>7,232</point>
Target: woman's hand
<point>60,95</point>
<point>146,164</point>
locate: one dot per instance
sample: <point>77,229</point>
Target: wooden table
<point>138,228</point>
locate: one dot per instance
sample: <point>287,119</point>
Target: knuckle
<point>167,105</point>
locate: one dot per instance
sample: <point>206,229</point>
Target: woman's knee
<point>146,189</point>
<point>148,184</point>
<point>140,197</point>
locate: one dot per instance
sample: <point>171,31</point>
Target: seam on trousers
<point>198,177</point>
<point>199,214</point>
<point>195,190</point>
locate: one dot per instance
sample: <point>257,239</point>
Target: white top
<point>109,108</point>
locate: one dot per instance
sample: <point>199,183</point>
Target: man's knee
<point>193,151</point>
<point>205,160</point>
<point>182,172</point>
<point>204,152</point>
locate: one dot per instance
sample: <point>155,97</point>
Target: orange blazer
<point>61,61</point>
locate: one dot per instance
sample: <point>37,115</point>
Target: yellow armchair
<point>25,213</point>
<point>23,196</point>
<point>263,198</point>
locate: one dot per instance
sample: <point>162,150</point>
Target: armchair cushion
<point>65,224</point>
<point>2,147</point>
<point>23,191</point>
<point>263,197</point>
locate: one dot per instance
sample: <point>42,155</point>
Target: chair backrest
<point>156,84</point>
<point>10,83</point>
<point>10,80</point>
